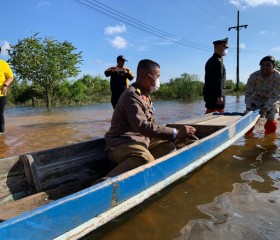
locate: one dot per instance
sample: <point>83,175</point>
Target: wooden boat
<point>49,194</point>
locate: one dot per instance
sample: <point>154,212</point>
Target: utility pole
<point>237,28</point>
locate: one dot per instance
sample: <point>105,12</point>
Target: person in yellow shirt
<point>6,78</point>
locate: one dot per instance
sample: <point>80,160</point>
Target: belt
<point>260,97</point>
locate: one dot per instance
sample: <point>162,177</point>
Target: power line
<point>187,11</point>
<point>213,16</point>
<point>105,10</point>
<point>215,6</point>
<point>115,14</point>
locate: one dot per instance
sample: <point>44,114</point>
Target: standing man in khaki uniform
<point>263,92</point>
<point>120,77</point>
<point>133,138</point>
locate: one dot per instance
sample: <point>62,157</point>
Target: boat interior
<point>32,180</point>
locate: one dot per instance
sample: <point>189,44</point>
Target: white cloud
<point>276,49</point>
<point>118,42</point>
<point>254,3</point>
<point>267,32</point>
<point>98,61</point>
<point>44,4</point>
<point>235,3</point>
<point>146,43</point>
<point>143,48</point>
<point>165,42</point>
<point>114,30</point>
<point>5,45</point>
<point>242,46</point>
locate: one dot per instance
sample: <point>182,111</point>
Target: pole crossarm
<point>238,27</point>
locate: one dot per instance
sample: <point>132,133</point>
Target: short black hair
<point>0,49</point>
<point>146,65</point>
<point>268,59</point>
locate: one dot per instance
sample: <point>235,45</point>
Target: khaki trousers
<point>132,155</point>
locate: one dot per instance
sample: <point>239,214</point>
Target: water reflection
<point>4,148</point>
<point>234,196</point>
<point>251,210</point>
<point>241,214</point>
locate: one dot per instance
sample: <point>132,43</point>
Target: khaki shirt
<point>265,90</point>
<point>133,120</point>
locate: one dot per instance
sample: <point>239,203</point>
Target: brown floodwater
<point>234,196</point>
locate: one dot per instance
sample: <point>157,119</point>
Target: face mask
<point>156,87</point>
<point>225,52</point>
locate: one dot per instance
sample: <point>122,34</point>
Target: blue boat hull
<point>78,214</point>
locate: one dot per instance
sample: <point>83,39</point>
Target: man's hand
<point>263,112</point>
<point>4,90</point>
<point>184,132</point>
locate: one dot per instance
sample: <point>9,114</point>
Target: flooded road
<point>34,129</point>
<point>234,196</point>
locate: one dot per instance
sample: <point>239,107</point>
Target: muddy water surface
<point>234,196</point>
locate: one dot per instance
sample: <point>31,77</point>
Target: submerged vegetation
<point>189,87</point>
<point>88,90</point>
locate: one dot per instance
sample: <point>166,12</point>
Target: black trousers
<point>115,98</point>
<point>3,101</point>
<point>210,102</point>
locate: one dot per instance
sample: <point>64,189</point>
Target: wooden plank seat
<point>50,169</point>
<point>201,130</point>
<point>207,124</point>
<point>54,173</point>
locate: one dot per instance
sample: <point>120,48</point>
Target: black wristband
<point>5,85</point>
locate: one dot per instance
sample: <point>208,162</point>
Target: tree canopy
<point>43,68</point>
<point>44,62</point>
<point>277,65</point>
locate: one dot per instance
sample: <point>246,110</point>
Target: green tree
<point>63,94</point>
<point>96,88</point>
<point>78,93</point>
<point>277,65</point>
<point>186,87</point>
<point>22,92</point>
<point>231,88</point>
<point>44,62</point>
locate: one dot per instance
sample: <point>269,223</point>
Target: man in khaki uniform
<point>133,138</point>
<point>263,92</point>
